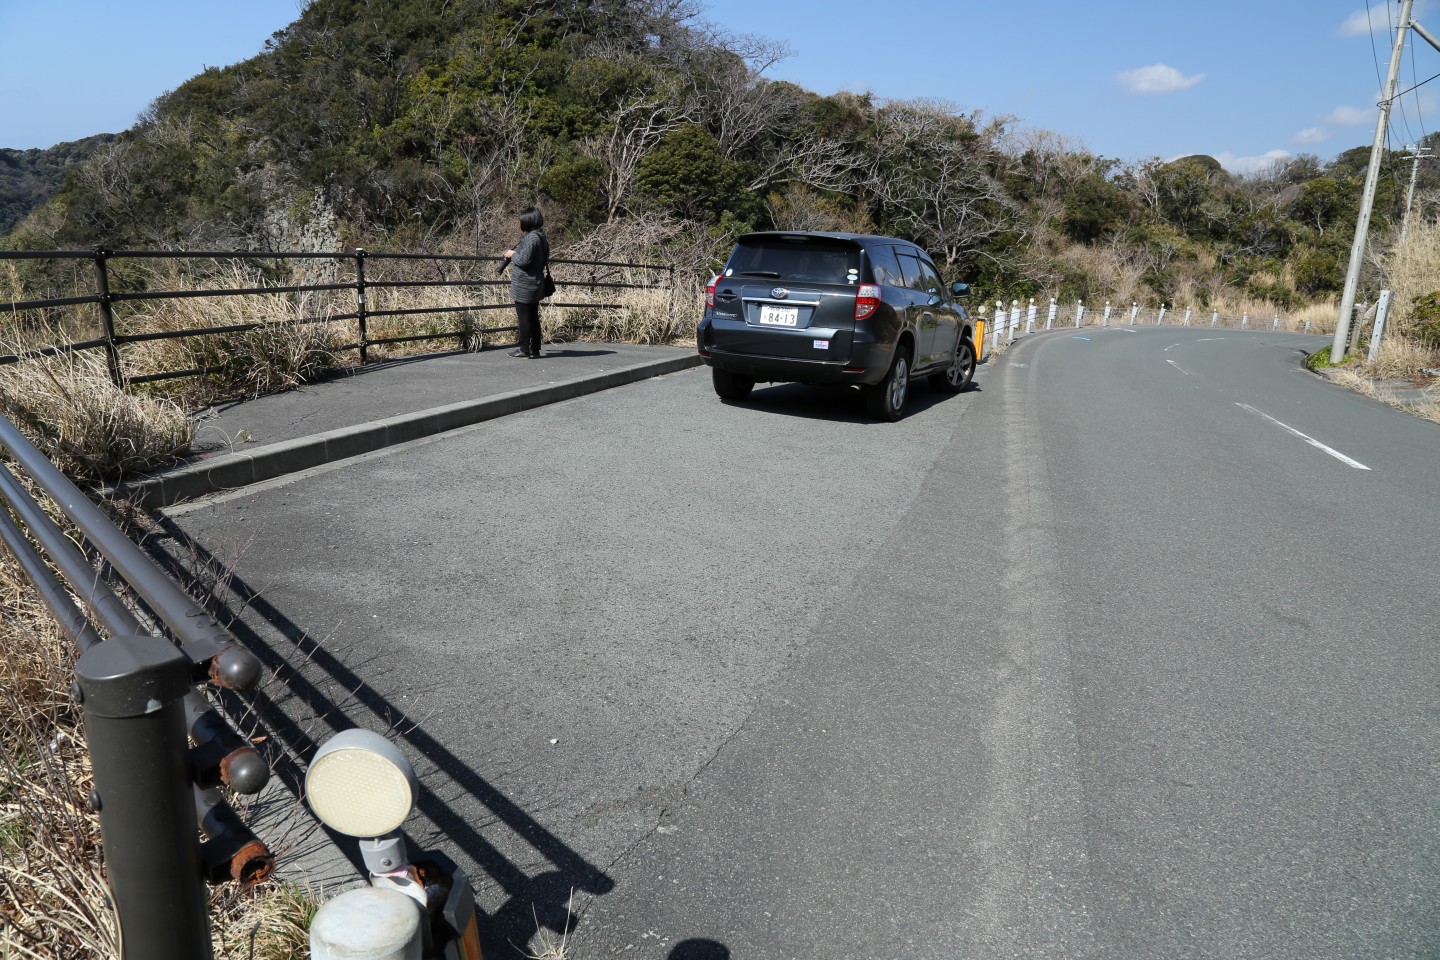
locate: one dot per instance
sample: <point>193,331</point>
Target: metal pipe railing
<point>158,747</point>
<point>106,299</point>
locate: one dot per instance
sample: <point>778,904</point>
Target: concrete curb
<point>231,470</point>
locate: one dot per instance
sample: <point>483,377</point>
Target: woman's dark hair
<point>532,219</point>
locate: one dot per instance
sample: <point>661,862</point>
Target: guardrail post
<point>1079,311</point>
<point>107,317</point>
<point>1382,310</point>
<point>1187,316</point>
<point>1030,317</point>
<point>1161,317</point>
<point>361,311</point>
<point>131,690</point>
<point>1105,320</point>
<point>1050,317</point>
<point>1244,321</point>
<point>1134,312</point>
<point>1214,316</point>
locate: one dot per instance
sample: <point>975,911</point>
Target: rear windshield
<point>802,258</point>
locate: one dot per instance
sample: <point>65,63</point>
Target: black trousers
<point>529,316</point>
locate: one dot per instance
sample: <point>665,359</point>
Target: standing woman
<point>527,278</point>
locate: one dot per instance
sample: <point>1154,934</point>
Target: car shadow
<point>835,403</point>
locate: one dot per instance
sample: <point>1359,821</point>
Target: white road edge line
<point>1208,339</point>
<point>1178,367</point>
<point>1310,440</point>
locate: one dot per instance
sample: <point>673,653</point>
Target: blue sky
<point>1242,80</point>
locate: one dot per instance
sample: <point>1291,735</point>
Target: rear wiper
<point>760,273</point>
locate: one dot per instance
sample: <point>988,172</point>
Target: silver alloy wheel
<point>899,380</point>
<point>958,372</point>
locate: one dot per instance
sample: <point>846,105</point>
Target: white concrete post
<point>1050,319</point>
<point>368,923</point>
<point>1244,320</point>
<point>1134,312</point>
<point>1214,316</point>
<point>1382,310</point>
<point>1307,326</point>
<point>1014,317</point>
<point>1276,325</point>
<point>999,320</point>
<point>1030,316</point>
<point>1160,319</point>
<point>1105,321</point>
<point>1079,311</point>
<point>1187,316</point>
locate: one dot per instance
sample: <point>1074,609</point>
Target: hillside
<point>641,129</point>
<point>29,178</point>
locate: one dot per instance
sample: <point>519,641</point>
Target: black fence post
<point>131,690</point>
<point>107,317</point>
<point>361,311</point>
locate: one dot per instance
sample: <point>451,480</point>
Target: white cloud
<point>1251,164</point>
<point>1350,116</point>
<point>1365,22</point>
<point>1379,18</point>
<point>1311,135</point>
<point>1157,78</point>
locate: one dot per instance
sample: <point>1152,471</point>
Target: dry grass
<point>53,900</point>
<point>91,429</point>
<point>281,354</point>
<point>269,922</point>
<point>1412,270</point>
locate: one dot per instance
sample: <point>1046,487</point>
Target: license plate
<point>779,316</point>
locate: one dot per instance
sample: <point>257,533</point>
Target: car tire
<point>886,399</point>
<point>960,372</point>
<point>730,386</point>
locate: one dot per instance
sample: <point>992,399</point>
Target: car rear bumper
<point>868,365</point>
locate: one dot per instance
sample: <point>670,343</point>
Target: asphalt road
<point>1103,658</point>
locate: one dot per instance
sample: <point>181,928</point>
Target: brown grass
<point>281,354</point>
<point>92,430</point>
<point>53,901</point>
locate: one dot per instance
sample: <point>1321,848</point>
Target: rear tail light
<point>867,300</point>
<point>710,293</point>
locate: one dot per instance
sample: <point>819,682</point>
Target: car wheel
<point>961,371</point>
<point>730,386</point>
<point>886,399</point>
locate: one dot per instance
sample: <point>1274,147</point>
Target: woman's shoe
<point>521,353</point>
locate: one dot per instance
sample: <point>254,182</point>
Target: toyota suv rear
<point>834,308</point>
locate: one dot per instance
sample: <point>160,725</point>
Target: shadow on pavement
<point>541,899</point>
<point>837,404</point>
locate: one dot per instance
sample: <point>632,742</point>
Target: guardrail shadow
<point>305,713</point>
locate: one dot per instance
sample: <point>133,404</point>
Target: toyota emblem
<point>779,293</point>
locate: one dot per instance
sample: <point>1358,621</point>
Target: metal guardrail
<point>111,340</point>
<point>158,748</point>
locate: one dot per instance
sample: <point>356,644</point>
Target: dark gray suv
<point>835,308</point>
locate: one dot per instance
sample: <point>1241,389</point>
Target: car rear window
<point>803,258</point>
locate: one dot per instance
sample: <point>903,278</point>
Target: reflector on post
<point>360,784</point>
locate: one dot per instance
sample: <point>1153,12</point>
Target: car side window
<point>931,283</point>
<point>886,267</point>
<point>910,267</point>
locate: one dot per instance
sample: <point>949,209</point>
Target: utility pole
<point>1367,201</point>
<point>1416,155</point>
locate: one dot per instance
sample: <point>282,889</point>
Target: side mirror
<point>959,290</point>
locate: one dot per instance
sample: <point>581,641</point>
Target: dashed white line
<point>1208,339</point>
<point>1310,440</point>
<point>1178,367</point>
<point>1169,348</point>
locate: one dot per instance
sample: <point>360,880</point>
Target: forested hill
<point>28,178</point>
<point>641,129</point>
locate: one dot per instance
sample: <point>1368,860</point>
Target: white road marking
<point>1171,347</point>
<point>1310,440</point>
<point>1122,329</point>
<point>1178,367</point>
<point>1208,339</point>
